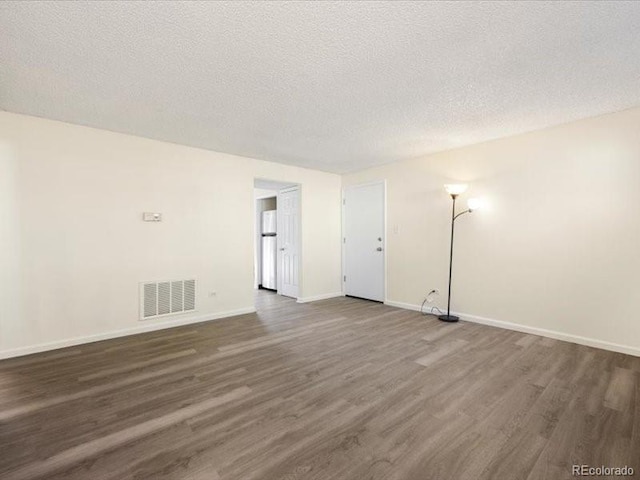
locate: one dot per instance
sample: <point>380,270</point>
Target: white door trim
<point>382,182</point>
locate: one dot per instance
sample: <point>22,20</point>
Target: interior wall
<point>556,246</point>
<point>74,246</point>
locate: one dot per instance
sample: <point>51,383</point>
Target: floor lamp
<point>454,190</point>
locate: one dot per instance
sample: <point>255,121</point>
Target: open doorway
<point>277,238</point>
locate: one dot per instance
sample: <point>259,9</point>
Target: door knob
<point>282,249</point>
<point>379,249</point>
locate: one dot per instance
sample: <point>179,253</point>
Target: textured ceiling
<point>333,86</point>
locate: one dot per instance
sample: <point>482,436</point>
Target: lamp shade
<point>455,188</point>
<point>474,204</point>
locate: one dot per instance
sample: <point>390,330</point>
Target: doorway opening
<point>277,239</point>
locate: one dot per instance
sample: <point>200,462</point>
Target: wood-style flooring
<point>337,389</point>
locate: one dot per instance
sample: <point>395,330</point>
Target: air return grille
<point>167,298</point>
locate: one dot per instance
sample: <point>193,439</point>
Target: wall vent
<point>170,297</point>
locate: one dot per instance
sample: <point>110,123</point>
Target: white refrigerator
<point>269,250</point>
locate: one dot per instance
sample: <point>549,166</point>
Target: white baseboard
<point>567,337</point>
<point>147,326</point>
<point>324,296</point>
<point>406,306</point>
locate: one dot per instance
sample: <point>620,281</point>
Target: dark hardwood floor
<point>336,389</point>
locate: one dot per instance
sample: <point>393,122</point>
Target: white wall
<point>557,247</point>
<point>73,246</point>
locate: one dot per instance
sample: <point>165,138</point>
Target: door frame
<point>297,187</point>
<point>382,182</point>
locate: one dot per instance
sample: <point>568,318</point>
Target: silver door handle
<point>282,249</point>
<point>379,249</point>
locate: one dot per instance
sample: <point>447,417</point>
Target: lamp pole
<point>448,317</point>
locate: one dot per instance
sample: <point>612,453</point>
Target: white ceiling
<point>334,86</point>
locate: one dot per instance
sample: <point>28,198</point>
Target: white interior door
<point>288,242</point>
<point>364,241</point>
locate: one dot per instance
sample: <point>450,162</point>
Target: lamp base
<point>448,318</point>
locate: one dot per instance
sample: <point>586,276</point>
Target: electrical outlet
<point>431,295</point>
